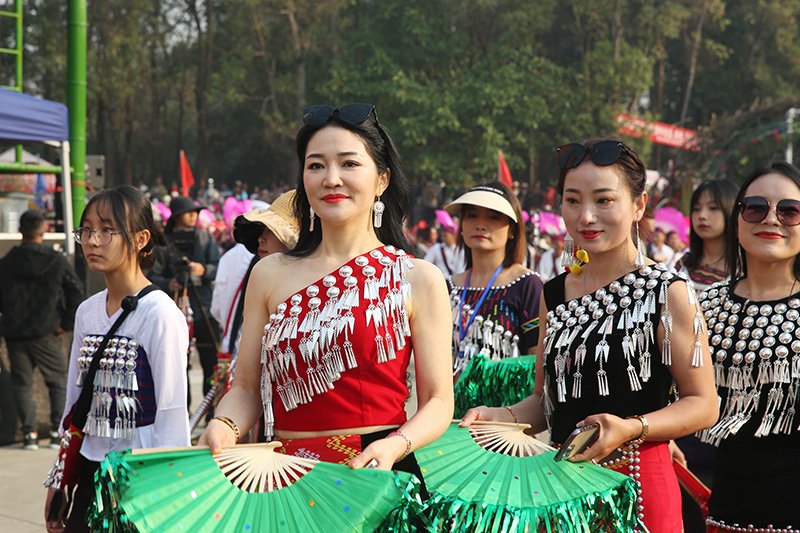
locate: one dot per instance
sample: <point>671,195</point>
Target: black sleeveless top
<point>601,352</point>
<point>756,350</point>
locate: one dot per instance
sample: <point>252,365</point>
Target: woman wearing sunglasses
<point>755,339</point>
<point>329,327</point>
<point>618,333</point>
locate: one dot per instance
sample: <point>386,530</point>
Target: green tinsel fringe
<point>105,515</point>
<point>407,517</point>
<point>114,475</point>
<point>494,383</point>
<point>610,510</point>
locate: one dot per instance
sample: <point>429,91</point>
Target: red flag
<point>187,180</point>
<point>503,174</point>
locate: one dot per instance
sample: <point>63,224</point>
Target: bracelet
<point>230,423</point>
<point>510,410</point>
<point>408,443</point>
<point>645,428</point>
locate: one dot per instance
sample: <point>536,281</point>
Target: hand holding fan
<point>493,477</point>
<point>248,488</point>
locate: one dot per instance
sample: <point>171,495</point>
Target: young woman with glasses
<point>753,324</point>
<point>144,370</point>
<point>618,334</point>
<point>343,311</point>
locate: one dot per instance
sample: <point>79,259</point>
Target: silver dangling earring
<point>311,224</point>
<point>569,251</point>
<point>639,262</point>
<point>377,212</point>
<point>740,265</point>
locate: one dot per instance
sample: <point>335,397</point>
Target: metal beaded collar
<point>626,305</point>
<point>324,330</point>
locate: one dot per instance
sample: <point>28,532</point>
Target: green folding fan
<point>491,477</point>
<point>247,488</point>
<point>494,383</point>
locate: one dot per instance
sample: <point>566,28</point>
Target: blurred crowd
<point>429,228</point>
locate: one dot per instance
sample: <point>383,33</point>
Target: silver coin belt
<point>324,329</point>
<point>115,385</point>
<point>722,526</point>
<point>627,306</point>
<point>756,353</point>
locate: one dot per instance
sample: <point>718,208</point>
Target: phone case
<point>578,441</point>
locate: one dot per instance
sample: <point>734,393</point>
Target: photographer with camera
<point>186,269</point>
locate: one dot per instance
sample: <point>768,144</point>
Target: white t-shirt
<point>663,254</point>
<point>454,255</point>
<point>550,265</point>
<point>230,273</point>
<point>160,329</point>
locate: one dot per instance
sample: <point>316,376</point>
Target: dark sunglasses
<point>754,209</point>
<point>602,154</point>
<point>317,115</point>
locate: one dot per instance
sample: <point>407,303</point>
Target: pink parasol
<point>233,208</point>
<point>164,210</point>
<point>671,219</point>
<point>204,219</point>
<point>550,222</point>
<point>446,221</point>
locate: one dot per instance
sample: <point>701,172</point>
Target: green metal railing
<point>76,98</point>
<point>17,53</point>
<point>76,102</point>
<point>17,50</point>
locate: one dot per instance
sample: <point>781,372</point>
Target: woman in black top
<point>618,333</point>
<point>753,324</point>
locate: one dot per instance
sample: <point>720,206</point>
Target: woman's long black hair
<point>396,197</point>
<point>723,193</point>
<point>737,259</point>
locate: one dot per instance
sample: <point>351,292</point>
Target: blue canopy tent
<point>25,118</point>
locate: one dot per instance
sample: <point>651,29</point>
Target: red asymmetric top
<point>335,355</point>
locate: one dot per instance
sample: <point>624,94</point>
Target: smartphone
<point>580,439</point>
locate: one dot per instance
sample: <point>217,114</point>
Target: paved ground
<point>22,472</point>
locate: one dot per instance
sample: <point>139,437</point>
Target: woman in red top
<point>329,326</point>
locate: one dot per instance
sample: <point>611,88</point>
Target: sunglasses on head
<point>602,154</point>
<point>754,209</point>
<point>317,115</point>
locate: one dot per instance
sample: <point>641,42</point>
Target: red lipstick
<point>334,198</point>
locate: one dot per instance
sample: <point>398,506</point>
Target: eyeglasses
<point>84,235</point>
<point>754,209</point>
<point>317,115</point>
<point>602,154</point>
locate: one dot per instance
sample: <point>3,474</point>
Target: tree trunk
<point>128,172</point>
<point>617,28</point>
<point>300,47</point>
<point>204,48</point>
<point>179,137</point>
<point>155,93</point>
<point>698,37</point>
